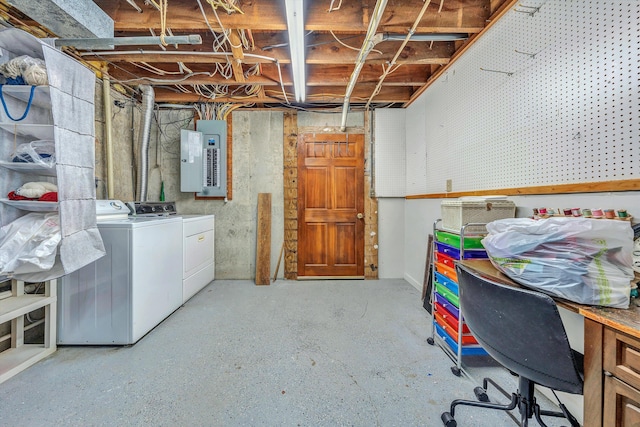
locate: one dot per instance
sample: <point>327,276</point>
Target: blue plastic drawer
<point>450,284</point>
<point>470,350</point>
<point>455,253</point>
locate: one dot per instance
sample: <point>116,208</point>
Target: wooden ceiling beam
<point>329,62</point>
<point>316,76</point>
<point>126,77</point>
<point>268,15</point>
<point>324,54</point>
<point>314,96</point>
<point>238,55</point>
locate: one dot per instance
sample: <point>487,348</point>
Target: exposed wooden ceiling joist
<point>253,56</point>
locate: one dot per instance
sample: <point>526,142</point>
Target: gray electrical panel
<point>203,159</point>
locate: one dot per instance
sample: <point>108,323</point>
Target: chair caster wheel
<point>447,420</point>
<point>430,341</point>
<point>456,371</point>
<point>481,394</point>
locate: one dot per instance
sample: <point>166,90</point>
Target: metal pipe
<point>438,37</point>
<point>108,138</point>
<point>400,49</point>
<point>367,45</point>
<point>110,42</point>
<point>148,97</point>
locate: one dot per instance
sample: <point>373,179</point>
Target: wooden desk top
<point>627,321</point>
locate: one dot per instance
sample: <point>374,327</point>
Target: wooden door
<point>330,205</point>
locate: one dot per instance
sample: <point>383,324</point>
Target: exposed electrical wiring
<point>218,43</point>
<point>169,81</point>
<point>103,55</point>
<point>332,8</point>
<point>171,34</point>
<point>391,65</point>
<point>184,68</point>
<point>164,4</point>
<point>153,34</point>
<point>183,89</point>
<point>134,5</point>
<point>351,47</point>
<point>249,36</point>
<point>215,110</point>
<point>230,6</point>
<point>152,3</point>
<point>148,67</point>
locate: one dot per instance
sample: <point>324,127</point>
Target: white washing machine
<point>198,266</point>
<point>135,286</point>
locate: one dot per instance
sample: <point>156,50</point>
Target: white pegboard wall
<point>558,101</point>
<point>389,153</point>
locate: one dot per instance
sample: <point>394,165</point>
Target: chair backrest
<point>521,329</point>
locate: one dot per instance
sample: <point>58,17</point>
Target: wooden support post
<point>263,241</point>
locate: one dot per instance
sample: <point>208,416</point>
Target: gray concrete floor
<point>316,353</point>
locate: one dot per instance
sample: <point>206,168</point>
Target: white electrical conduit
<point>390,68</point>
<point>108,139</point>
<point>367,45</point>
<point>135,6</point>
<point>165,52</point>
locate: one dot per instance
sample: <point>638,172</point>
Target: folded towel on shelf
<point>13,196</point>
<point>51,196</point>
<point>35,190</point>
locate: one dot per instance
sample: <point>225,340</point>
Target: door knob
<point>360,216</point>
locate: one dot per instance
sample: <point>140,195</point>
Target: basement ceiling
<point>244,56</point>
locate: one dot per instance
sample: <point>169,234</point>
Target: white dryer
<point>135,286</point>
<point>198,262</point>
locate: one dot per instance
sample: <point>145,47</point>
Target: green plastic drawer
<point>452,239</point>
<point>450,296</point>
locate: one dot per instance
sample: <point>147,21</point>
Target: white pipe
<point>367,45</point>
<point>148,97</point>
<point>108,138</point>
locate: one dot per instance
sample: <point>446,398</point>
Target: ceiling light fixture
<point>295,28</point>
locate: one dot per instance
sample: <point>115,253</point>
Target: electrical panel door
<point>190,161</point>
<point>203,159</point>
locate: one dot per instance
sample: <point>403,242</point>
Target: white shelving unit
<point>14,305</point>
<point>13,308</point>
<point>61,112</point>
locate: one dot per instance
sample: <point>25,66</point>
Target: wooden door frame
<point>290,154</point>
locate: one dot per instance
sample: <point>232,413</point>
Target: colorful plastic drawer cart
<point>454,335</point>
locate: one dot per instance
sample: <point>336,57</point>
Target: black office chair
<point>522,330</point>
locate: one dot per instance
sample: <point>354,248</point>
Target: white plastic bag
<point>588,261</point>
<point>41,152</point>
<point>29,244</point>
